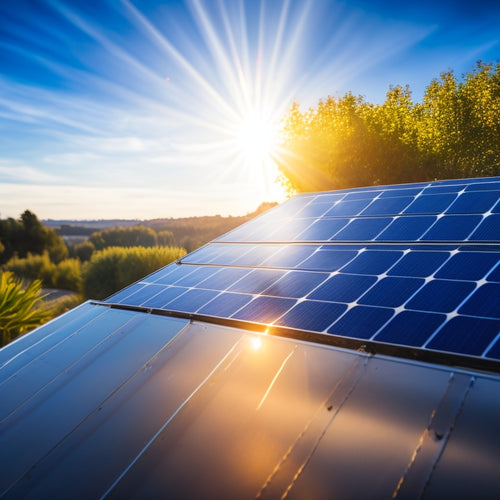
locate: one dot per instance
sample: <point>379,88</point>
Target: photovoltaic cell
<point>343,288</point>
<point>372,262</point>
<point>441,296</point>
<point>391,292</point>
<point>410,328</point>
<point>468,266</point>
<point>296,284</point>
<point>264,309</point>
<point>419,264</point>
<point>407,228</point>
<point>412,265</point>
<point>430,204</point>
<point>361,322</point>
<point>312,315</point>
<point>452,228</point>
<point>328,260</point>
<point>484,302</point>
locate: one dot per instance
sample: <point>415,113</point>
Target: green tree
<point>124,237</point>
<point>346,142</point>
<point>20,309</point>
<point>83,250</point>
<point>112,269</point>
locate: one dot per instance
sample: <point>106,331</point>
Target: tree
<point>124,237</point>
<point>19,307</point>
<point>346,142</point>
<point>112,269</point>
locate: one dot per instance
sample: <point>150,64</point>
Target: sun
<point>256,142</point>
<point>257,137</point>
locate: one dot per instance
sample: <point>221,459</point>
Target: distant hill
<point>188,232</point>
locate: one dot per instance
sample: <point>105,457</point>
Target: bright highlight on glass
<point>256,343</point>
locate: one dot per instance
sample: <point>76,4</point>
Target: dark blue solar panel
<point>256,281</point>
<point>488,230</point>
<point>264,309</point>
<point>289,256</point>
<point>441,296</point>
<point>361,322</point>
<point>126,292</point>
<point>199,274</point>
<point>413,191</point>
<point>387,206</point>
<point>224,278</point>
<point>328,260</point>
<point>372,262</point>
<point>410,328</point>
<point>414,265</point>
<point>296,284</point>
<point>474,202</point>
<point>419,264</point>
<point>430,204</point>
<point>322,230</point>
<point>142,295</point>
<point>225,304</point>
<point>391,292</point>
<point>314,210</point>
<point>192,300</point>
<point>175,273</point>
<point>494,350</point>
<point>452,228</point>
<point>312,315</point>
<point>348,208</point>
<point>255,256</point>
<point>486,185</point>
<point>343,288</point>
<point>408,228</point>
<point>467,335</point>
<point>484,302</point>
<point>363,229</point>
<point>290,230</point>
<point>468,266</point>
<point>163,298</point>
<point>495,274</point>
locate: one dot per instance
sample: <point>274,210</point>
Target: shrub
<point>19,307</point>
<point>65,275</point>
<point>124,237</point>
<point>114,268</point>
<point>84,250</point>
<point>68,275</point>
<point>33,267</point>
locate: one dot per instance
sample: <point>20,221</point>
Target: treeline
<point>188,232</point>
<point>347,142</point>
<point>28,235</point>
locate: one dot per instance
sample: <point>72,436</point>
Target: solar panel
<point>410,265</point>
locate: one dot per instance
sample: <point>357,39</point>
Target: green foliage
<point>166,239</point>
<point>124,237</point>
<point>29,235</point>
<point>66,274</point>
<point>346,142</point>
<point>111,269</point>
<point>33,267</point>
<point>19,307</point>
<point>84,250</point>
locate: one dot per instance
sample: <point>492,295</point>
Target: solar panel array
<point>412,265</point>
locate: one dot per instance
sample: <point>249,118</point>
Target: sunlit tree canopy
<point>346,142</point>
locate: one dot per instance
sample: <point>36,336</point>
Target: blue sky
<point>144,109</point>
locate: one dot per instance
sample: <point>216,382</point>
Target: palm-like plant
<point>20,309</point>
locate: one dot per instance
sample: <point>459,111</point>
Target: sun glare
<point>257,137</point>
